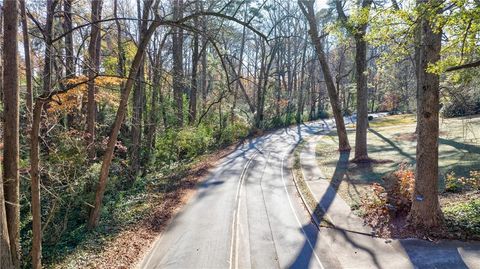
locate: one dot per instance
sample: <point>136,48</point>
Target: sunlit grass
<point>393,121</point>
<point>392,140</point>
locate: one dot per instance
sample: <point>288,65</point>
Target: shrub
<point>401,191</point>
<point>183,144</point>
<point>464,218</point>
<point>387,202</point>
<point>452,184</point>
<point>323,114</point>
<point>468,104</point>
<point>455,184</point>
<point>234,132</point>
<point>347,112</point>
<point>280,121</point>
<point>375,208</point>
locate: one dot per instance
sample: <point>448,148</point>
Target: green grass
<point>303,188</point>
<point>396,120</point>
<point>391,141</point>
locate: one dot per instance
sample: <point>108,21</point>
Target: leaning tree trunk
<point>425,213</point>
<point>309,12</point>
<point>11,181</point>
<point>107,158</point>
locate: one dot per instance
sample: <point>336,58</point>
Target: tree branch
<point>464,66</point>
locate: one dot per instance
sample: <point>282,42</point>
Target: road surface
<point>246,214</point>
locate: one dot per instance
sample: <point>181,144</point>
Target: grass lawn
<point>391,141</point>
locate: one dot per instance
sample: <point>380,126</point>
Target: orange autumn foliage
<point>73,98</point>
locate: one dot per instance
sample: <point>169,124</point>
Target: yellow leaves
<point>72,99</point>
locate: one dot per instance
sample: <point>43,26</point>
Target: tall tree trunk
<point>69,53</point>
<point>28,64</point>
<point>9,196</point>
<point>93,69</point>
<point>309,12</point>
<point>11,180</point>
<point>156,75</point>
<point>5,253</point>
<point>359,31</point>
<point>301,89</point>
<point>204,81</point>
<point>267,61</point>
<point>192,114</point>
<point>240,63</point>
<point>425,213</point>
<point>313,97</point>
<point>34,141</point>
<point>278,84</point>
<point>107,158</point>
<point>260,95</point>
<point>121,50</point>
<point>139,96</point>
<point>35,185</point>
<point>177,51</point>
<point>1,52</point>
<point>361,150</point>
<point>67,27</point>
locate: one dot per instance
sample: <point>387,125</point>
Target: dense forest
<point>103,98</point>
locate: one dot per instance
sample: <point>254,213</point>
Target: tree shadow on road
<point>306,253</point>
<point>420,253</point>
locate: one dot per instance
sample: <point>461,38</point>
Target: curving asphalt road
<point>246,214</point>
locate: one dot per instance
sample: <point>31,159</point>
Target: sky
<point>321,4</point>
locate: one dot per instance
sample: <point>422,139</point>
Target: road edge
<point>305,192</point>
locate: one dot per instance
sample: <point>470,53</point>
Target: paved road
<point>247,214</point>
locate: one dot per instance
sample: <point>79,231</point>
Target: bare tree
<point>266,61</point>
<point>112,141</point>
